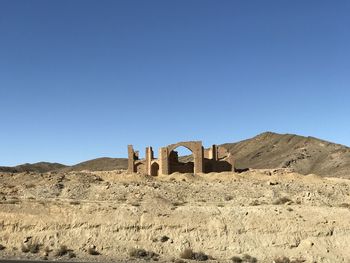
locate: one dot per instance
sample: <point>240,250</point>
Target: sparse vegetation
<point>93,251</point>
<point>228,198</point>
<point>61,251</point>
<point>10,201</point>
<point>71,254</point>
<point>178,203</point>
<point>236,259</point>
<point>287,260</point>
<point>164,239</point>
<point>31,247</point>
<point>255,203</point>
<point>189,254</point>
<point>345,205</point>
<point>281,260</point>
<point>142,253</point>
<point>2,247</point>
<point>34,248</point>
<point>244,259</point>
<point>200,256</point>
<point>249,259</point>
<point>24,248</point>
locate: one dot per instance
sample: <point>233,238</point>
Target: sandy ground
<point>262,213</point>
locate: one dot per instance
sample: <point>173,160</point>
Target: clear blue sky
<point>82,79</point>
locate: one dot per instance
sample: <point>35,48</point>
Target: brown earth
<point>305,155</point>
<point>41,167</point>
<point>263,213</point>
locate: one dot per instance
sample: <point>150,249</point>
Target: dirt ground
<point>266,214</point>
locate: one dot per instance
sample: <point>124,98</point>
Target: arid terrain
<point>268,150</point>
<point>288,201</point>
<point>266,214</point>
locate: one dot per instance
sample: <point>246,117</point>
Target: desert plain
<point>259,215</point>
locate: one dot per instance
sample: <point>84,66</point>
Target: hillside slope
<point>100,164</point>
<point>41,167</point>
<point>306,155</point>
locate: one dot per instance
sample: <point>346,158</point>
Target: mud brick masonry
<point>214,159</point>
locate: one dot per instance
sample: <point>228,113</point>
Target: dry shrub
<point>24,248</point>
<point>236,259</point>
<point>71,254</point>
<point>61,251</point>
<point>255,203</point>
<point>143,254</point>
<point>10,201</point>
<point>30,247</point>
<point>187,254</point>
<point>93,251</point>
<point>228,198</point>
<point>281,201</point>
<point>287,260</point>
<point>281,260</point>
<point>47,250</point>
<point>34,248</point>
<point>178,203</point>
<point>249,259</point>
<point>200,256</point>
<point>344,205</point>
<point>164,239</point>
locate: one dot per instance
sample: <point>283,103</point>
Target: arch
<point>191,146</point>
<point>140,167</point>
<point>194,146</point>
<point>154,169</point>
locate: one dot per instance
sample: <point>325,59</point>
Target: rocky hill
<point>41,167</point>
<point>100,164</point>
<point>306,155</point>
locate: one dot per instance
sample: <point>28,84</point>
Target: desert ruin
<point>213,159</point>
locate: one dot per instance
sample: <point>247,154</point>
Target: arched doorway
<point>194,146</point>
<point>181,160</point>
<point>154,169</point>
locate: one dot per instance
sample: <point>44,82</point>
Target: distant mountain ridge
<point>41,167</point>
<point>306,155</point>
